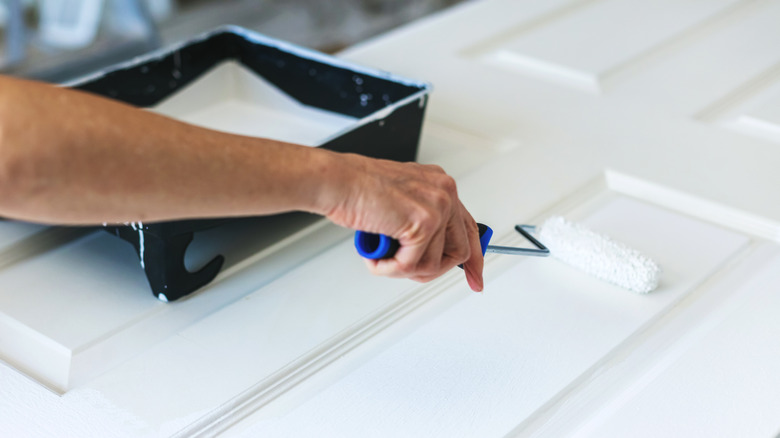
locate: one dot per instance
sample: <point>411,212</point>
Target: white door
<point>657,123</point>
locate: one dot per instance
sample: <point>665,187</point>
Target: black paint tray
<point>341,106</point>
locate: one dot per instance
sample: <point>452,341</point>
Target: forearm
<point>69,157</point>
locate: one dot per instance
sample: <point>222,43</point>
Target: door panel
<point>672,148</point>
<point>584,46</point>
<point>540,329</point>
<point>755,112</point>
<point>746,381</point>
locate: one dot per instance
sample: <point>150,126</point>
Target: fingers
<point>455,244</point>
<point>462,246</point>
<point>453,251</point>
<point>419,261</point>
<point>416,204</point>
<point>430,264</point>
<point>474,264</point>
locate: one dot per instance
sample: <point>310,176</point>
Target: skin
<point>68,157</point>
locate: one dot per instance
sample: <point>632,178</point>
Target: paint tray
<point>238,81</point>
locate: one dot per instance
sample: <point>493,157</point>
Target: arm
<point>69,157</point>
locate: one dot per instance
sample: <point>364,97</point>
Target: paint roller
<point>569,242</point>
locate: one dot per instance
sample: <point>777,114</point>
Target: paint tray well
<point>238,81</point>
<point>231,98</point>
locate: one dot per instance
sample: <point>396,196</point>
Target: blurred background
<point>59,40</point>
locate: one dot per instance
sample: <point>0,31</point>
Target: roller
<point>569,242</point>
<point>599,255</point>
<point>379,246</point>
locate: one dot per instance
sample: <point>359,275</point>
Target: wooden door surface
<point>657,123</point>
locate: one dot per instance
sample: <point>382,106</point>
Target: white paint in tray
<point>230,98</point>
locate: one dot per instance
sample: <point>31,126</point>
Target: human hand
<point>416,204</point>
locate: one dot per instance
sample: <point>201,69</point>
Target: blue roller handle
<point>378,246</point>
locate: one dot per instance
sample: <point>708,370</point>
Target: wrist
<point>329,174</point>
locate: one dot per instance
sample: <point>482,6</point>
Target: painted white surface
<point>494,359</point>
<point>230,98</point>
<point>457,151</point>
<point>12,232</point>
<point>740,376</point>
<point>761,116</point>
<point>582,46</point>
<point>37,335</point>
<point>93,309</point>
<point>301,339</point>
<point>19,240</point>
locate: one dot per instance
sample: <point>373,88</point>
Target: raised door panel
<point>753,110</point>
<point>585,45</point>
<point>727,370</point>
<point>299,339</point>
<point>78,303</point>
<point>541,327</point>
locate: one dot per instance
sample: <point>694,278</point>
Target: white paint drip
<point>140,229</point>
<point>600,256</point>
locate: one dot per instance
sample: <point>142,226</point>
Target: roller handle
<point>378,246</point>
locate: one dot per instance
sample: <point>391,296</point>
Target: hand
<point>416,204</point>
